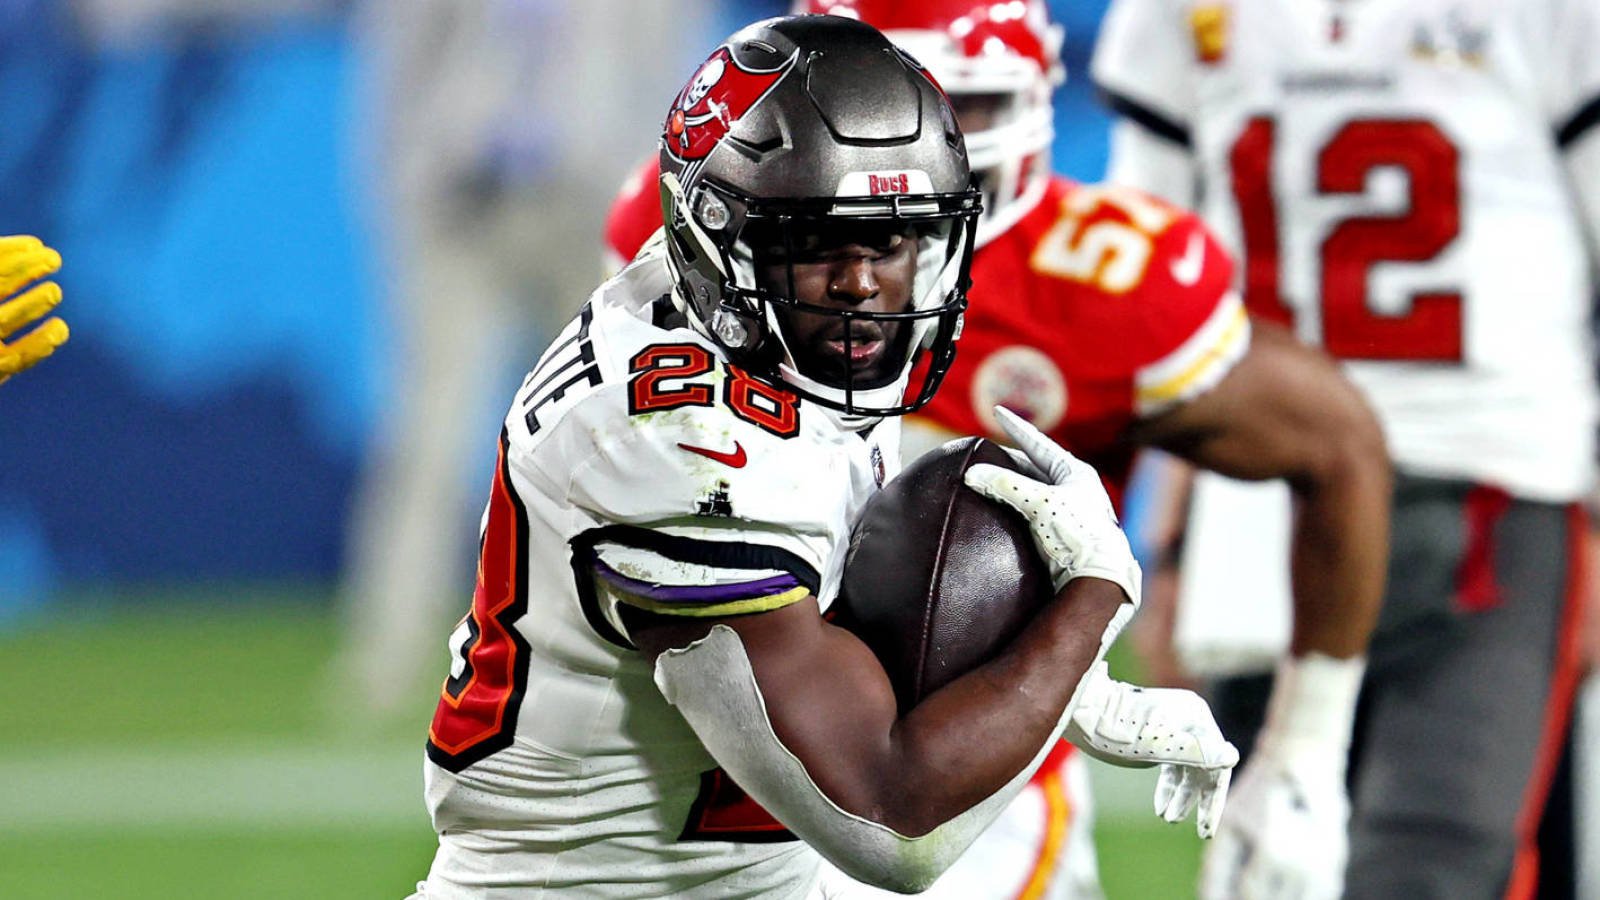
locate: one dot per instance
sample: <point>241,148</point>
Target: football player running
<point>644,672</point>
<point>25,259</point>
<point>1409,185</point>
<point>1109,319</point>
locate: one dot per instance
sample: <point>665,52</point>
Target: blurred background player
<point>1408,185</point>
<point>1109,319</point>
<point>492,177</point>
<point>23,260</point>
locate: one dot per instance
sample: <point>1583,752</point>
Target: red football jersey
<point>1101,306</point>
<point>635,215</point>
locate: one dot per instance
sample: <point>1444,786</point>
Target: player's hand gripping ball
<point>938,580</point>
<point>1075,529</point>
<point>24,260</point>
<point>1065,506</point>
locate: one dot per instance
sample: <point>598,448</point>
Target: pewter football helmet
<point>793,127</point>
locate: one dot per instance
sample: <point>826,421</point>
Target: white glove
<point>1068,513</point>
<point>1286,833</point>
<point>1127,725</point>
<point>1284,838</point>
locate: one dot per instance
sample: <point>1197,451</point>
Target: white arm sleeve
<point>1583,167</point>
<point>1142,160</point>
<point>1560,36</point>
<point>1145,54</point>
<point>1144,65</point>
<point>712,684</point>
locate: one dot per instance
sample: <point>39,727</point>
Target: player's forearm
<point>1339,548</point>
<point>1583,168</point>
<point>830,706</point>
<point>913,770</point>
<point>968,739</point>
<point>814,736</point>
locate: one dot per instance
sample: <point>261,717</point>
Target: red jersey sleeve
<point>1144,299</point>
<point>1208,331</point>
<point>1101,307</point>
<point>635,214</point>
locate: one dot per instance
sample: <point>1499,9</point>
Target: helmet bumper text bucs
<point>820,214</point>
<point>999,61</point>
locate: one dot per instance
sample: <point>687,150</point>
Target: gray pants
<point>1468,688</point>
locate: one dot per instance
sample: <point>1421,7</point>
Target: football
<point>938,578</point>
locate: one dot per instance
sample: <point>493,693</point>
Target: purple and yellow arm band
<point>760,577</point>
<point>760,595</point>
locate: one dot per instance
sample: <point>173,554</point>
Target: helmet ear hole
<point>732,330</point>
<point>712,212</point>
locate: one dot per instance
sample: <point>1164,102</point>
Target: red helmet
<point>1007,51</point>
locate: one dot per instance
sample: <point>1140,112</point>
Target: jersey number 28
<point>670,376</point>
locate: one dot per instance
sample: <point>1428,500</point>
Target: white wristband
<point>1312,710</point>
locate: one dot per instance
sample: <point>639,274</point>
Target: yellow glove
<point>23,260</point>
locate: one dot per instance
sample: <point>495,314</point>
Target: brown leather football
<point>939,579</point>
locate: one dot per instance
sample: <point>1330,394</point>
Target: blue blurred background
<point>233,525</point>
<point>231,353</point>
<point>207,419</point>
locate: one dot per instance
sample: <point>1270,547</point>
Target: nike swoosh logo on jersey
<point>736,458</point>
<point>1186,268</point>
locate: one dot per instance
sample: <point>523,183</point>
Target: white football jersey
<point>1391,174</point>
<point>637,466</point>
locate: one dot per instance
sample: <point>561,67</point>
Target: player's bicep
<point>1284,411</point>
<point>825,695</point>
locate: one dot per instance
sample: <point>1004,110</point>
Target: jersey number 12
<point>1430,331</point>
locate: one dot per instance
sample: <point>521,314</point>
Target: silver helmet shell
<point>810,121</point>
<point>1003,54</point>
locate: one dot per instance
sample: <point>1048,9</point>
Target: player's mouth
<point>862,355</point>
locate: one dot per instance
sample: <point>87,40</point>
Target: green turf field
<point>179,748</point>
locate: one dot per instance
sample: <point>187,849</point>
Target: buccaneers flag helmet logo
<point>720,93</point>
